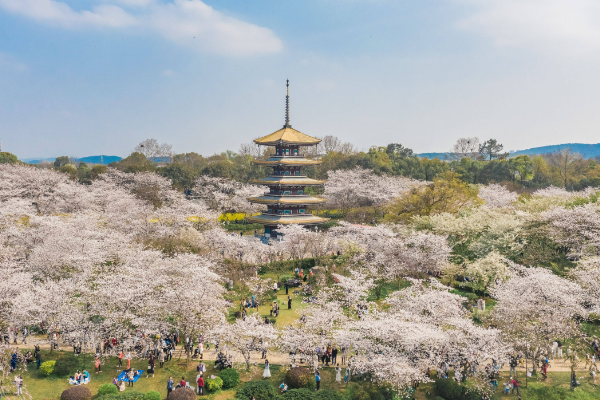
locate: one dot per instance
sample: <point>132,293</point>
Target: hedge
<point>152,395</point>
<point>298,377</point>
<point>66,365</point>
<point>214,385</point>
<point>107,388</point>
<point>230,377</point>
<point>47,367</point>
<point>261,390</point>
<point>299,394</point>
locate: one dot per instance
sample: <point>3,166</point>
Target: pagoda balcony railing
<point>289,195</point>
<point>289,176</point>
<point>288,155</point>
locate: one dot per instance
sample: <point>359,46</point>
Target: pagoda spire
<point>287,105</point>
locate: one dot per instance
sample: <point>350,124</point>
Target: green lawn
<point>41,387</point>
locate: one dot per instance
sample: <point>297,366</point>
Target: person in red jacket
<point>182,383</point>
<point>200,383</point>
<point>515,386</point>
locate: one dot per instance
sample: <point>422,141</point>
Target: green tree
<point>8,158</point>
<point>521,168</point>
<point>491,149</point>
<point>61,161</point>
<point>135,162</point>
<point>180,174</point>
<point>445,194</point>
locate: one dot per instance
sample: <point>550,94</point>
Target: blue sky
<point>93,77</point>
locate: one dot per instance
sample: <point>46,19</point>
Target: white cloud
<point>548,25</point>
<point>189,23</point>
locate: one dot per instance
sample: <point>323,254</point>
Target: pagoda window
<point>281,192</point>
<point>300,191</point>
<point>267,230</point>
<point>287,152</point>
<point>270,211</point>
<point>286,192</point>
<point>280,212</point>
<point>287,211</point>
<point>301,211</point>
<point>297,172</point>
<point>287,173</point>
<point>272,191</point>
<point>296,152</point>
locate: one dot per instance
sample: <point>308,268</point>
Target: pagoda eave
<point>271,220</point>
<point>273,181</point>
<point>286,200</point>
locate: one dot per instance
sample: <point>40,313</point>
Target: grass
<point>41,387</point>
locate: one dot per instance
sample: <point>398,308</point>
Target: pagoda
<point>287,201</point>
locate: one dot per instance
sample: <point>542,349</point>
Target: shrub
<point>76,393</point>
<point>182,394</point>
<point>108,397</point>
<point>230,377</point>
<point>66,365</point>
<point>152,395</point>
<point>107,388</point>
<point>133,395</point>
<point>298,377</point>
<point>448,389</point>
<point>261,390</point>
<point>237,315</point>
<point>47,368</point>
<point>213,385</point>
<point>299,394</point>
<point>329,395</point>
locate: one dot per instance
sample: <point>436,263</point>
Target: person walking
<point>19,385</point>
<point>338,374</point>
<point>267,373</point>
<point>513,365</point>
<point>334,352</point>
<point>38,357</point>
<point>169,385</point>
<point>120,357</point>
<point>318,380</point>
<point>289,302</point>
<point>150,367</point>
<point>97,365</point>
<point>161,358</point>
<point>200,382</point>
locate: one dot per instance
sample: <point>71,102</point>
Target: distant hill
<point>97,159</point>
<point>441,156</point>
<point>88,160</point>
<point>587,150</point>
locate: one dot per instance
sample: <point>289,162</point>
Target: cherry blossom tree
<point>536,307</point>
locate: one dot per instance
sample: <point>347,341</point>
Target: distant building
<point>287,201</point>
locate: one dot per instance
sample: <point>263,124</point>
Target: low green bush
<point>260,390</point>
<point>230,377</point>
<point>152,395</point>
<point>131,395</point>
<point>213,385</point>
<point>66,365</point>
<point>329,395</point>
<point>298,377</point>
<point>299,394</point>
<point>107,388</point>
<point>47,367</point>
<point>449,389</point>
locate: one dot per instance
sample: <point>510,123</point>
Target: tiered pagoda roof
<point>286,200</point>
